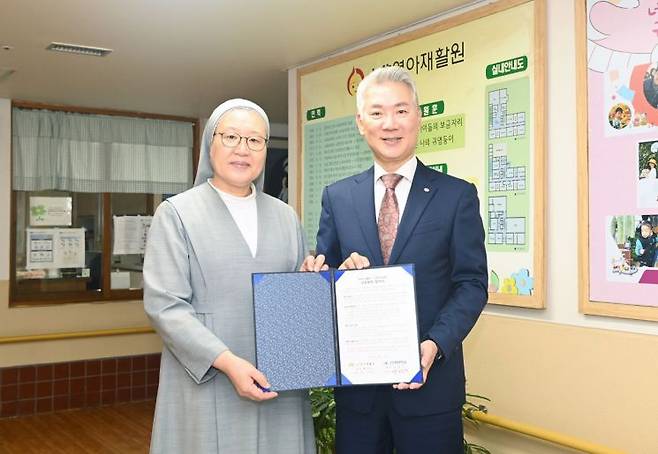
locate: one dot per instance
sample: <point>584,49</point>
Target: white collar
<point>407,170</point>
<point>226,195</point>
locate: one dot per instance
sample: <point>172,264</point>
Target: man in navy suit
<point>435,223</point>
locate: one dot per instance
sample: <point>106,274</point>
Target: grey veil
<point>204,170</point>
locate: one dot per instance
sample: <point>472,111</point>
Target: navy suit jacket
<point>441,233</point>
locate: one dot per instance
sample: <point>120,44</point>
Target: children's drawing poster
<point>480,87</point>
<point>622,151</point>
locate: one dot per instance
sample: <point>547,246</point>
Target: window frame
<point>106,294</point>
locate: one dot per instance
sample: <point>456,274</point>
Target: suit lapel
<point>363,196</point>
<point>422,191</point>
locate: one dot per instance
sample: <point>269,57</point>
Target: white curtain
<point>99,153</point>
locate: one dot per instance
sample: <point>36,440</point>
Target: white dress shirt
<point>407,170</point>
<point>245,214</point>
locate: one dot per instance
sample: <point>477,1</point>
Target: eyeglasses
<point>232,140</point>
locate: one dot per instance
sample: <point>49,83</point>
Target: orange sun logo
<point>356,76</point>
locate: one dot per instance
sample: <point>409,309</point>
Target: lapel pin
<point>426,189</point>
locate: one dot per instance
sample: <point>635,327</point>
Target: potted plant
<point>324,420</point>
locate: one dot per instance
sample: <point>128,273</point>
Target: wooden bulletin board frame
<point>587,304</point>
<point>537,95</point>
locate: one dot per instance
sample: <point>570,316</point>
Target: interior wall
<point>5,193</point>
<point>593,384</point>
<point>590,377</point>
<point>25,321</point>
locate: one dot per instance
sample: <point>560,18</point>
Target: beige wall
<point>594,384</point>
<point>5,187</point>
<point>25,321</point>
<point>586,376</point>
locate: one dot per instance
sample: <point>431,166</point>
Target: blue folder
<point>296,333</point>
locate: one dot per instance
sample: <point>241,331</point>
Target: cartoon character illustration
<point>494,282</point>
<point>610,45</point>
<point>622,50</point>
<point>523,282</point>
<point>353,81</point>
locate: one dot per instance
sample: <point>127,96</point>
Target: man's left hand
<point>428,351</point>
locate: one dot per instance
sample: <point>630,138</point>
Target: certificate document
<point>337,327</point>
<point>377,325</point>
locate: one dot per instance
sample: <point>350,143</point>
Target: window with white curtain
<point>77,175</point>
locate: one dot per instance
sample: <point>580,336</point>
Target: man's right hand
<point>248,381</point>
<point>314,264</point>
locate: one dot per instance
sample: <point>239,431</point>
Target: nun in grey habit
<point>202,247</point>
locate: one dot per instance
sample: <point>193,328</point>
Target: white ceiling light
<point>78,49</point>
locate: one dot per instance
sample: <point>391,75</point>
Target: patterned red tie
<point>387,224</point>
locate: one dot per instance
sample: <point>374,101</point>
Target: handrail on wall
<point>542,434</point>
<point>76,335</point>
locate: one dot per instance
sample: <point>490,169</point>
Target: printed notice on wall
<point>130,234</point>
<point>55,248</point>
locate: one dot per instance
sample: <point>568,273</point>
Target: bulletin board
<point>618,150</point>
<point>480,78</point>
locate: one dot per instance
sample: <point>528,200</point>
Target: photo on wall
<point>632,249</point>
<point>620,115</point>
<point>647,184</point>
<point>650,86</point>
